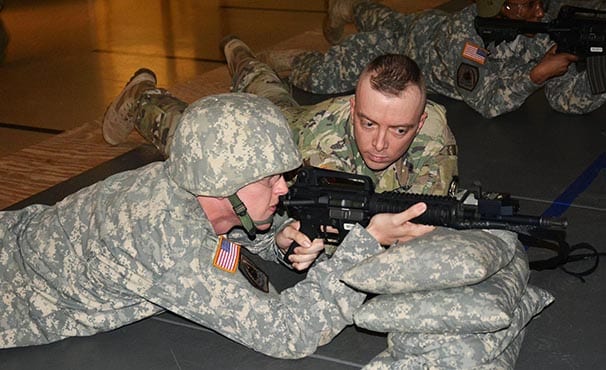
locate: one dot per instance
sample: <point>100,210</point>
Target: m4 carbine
<point>578,31</point>
<point>321,198</point>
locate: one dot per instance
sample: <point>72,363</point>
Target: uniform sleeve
<point>433,154</point>
<point>291,324</point>
<point>571,93</point>
<point>490,79</point>
<point>496,83</point>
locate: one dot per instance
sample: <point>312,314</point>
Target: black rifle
<point>578,31</point>
<point>320,198</point>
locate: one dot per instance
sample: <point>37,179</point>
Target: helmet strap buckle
<point>242,213</point>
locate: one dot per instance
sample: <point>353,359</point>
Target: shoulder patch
<point>474,53</point>
<point>255,276</point>
<point>467,76</point>
<point>227,255</point>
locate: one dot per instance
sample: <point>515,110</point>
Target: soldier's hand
<point>306,252</point>
<point>553,64</point>
<point>389,228</point>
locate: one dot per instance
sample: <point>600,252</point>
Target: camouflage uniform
<point>449,299</point>
<point>139,243</point>
<point>324,135</point>
<point>491,84</point>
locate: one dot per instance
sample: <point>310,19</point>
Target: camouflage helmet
<point>489,8</point>
<point>226,141</point>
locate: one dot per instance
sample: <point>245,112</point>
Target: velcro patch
<point>467,76</point>
<point>227,255</point>
<point>257,277</point>
<point>474,53</point>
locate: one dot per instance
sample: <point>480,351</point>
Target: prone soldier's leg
<point>255,77</point>
<point>141,105</point>
<point>159,113</point>
<point>337,70</point>
<point>370,16</point>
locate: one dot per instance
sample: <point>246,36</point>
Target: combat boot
<point>339,13</point>
<point>121,114</point>
<point>237,54</point>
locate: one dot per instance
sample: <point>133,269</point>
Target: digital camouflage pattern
<point>506,360</point>
<point>227,141</point>
<point>464,351</point>
<point>158,112</point>
<point>137,244</point>
<point>325,138</point>
<point>436,40</point>
<point>479,325</point>
<point>323,134</point>
<point>476,308</point>
<point>443,258</point>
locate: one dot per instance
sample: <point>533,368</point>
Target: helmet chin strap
<point>268,220</point>
<point>242,213</point>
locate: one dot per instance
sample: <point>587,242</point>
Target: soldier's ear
<point>422,121</point>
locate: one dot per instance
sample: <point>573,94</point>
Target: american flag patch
<point>475,53</point>
<point>227,255</point>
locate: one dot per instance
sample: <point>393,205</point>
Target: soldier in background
<point>455,62</point>
<point>387,130</point>
<point>553,6</point>
<point>167,236</point>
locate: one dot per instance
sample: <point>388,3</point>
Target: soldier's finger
<point>412,212</point>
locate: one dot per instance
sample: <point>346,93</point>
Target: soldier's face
<point>261,198</point>
<point>527,10</point>
<point>385,125</point>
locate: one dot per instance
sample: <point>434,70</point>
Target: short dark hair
<point>394,73</point>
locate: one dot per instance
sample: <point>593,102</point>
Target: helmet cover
<point>224,142</point>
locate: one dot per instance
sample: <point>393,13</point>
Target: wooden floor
<point>42,165</point>
<point>68,59</point>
